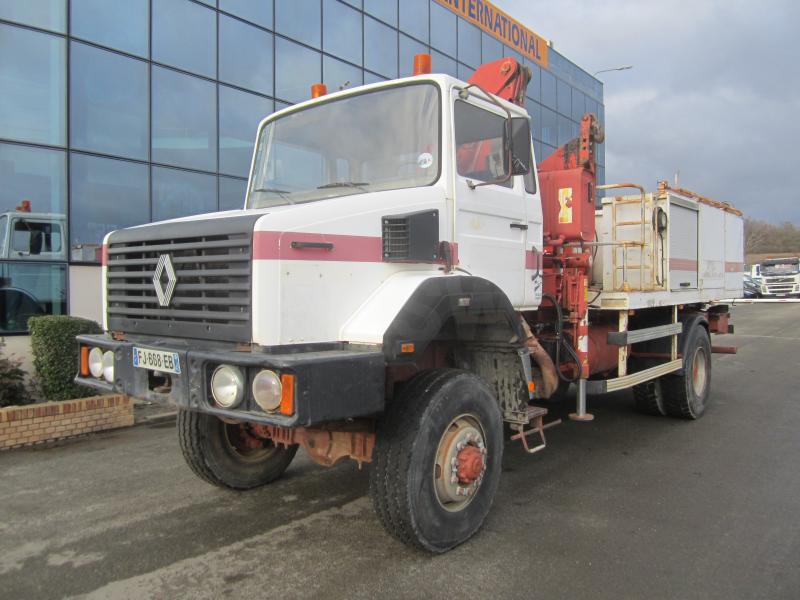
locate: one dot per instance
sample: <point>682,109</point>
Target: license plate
<point>157,360</point>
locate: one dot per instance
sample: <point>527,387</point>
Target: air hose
<point>561,340</point>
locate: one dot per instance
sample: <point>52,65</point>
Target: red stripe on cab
<point>277,245</point>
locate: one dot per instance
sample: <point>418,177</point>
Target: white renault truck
<point>400,283</point>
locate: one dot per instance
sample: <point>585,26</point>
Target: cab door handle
<point>522,226</point>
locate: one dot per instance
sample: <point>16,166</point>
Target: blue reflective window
<point>32,86</point>
<point>342,31</point>
<point>578,104</point>
<point>300,20</point>
<point>567,130</point>
<point>106,194</point>
<point>549,127</point>
<point>33,174</point>
<point>464,72</point>
<point>548,89</point>
<point>535,112</point>
<point>108,102</point>
<point>385,10</point>
<point>380,48</point>
<point>239,116</point>
<point>547,151</point>
<point>245,55</point>
<point>564,98</point>
<point>591,105</point>
<point>255,11</point>
<point>356,3</point>
<point>185,36</point>
<point>46,14</point>
<point>296,69</point>
<point>469,43</point>
<point>182,193</point>
<point>491,49</point>
<point>443,64</point>
<point>372,78</point>
<point>231,193</point>
<point>601,154</point>
<point>408,49</point>
<point>30,290</point>
<point>444,29</point>
<point>119,24</point>
<point>184,130</point>
<point>535,85</point>
<point>537,150</point>
<point>414,18</point>
<point>339,75</point>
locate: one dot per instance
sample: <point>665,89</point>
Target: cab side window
<point>479,143</point>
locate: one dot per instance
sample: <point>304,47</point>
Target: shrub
<point>12,382</point>
<point>55,354</point>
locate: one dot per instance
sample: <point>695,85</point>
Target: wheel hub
<point>460,463</point>
<point>470,465</point>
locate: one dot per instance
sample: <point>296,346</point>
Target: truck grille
<point>211,296</point>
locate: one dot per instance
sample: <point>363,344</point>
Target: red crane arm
<point>506,78</point>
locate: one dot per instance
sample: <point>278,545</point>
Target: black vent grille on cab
<point>411,237</point>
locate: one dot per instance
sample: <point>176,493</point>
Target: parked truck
<point>402,284</point>
<point>29,240</point>
<point>779,277</point>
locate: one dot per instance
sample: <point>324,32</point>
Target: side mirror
<point>520,146</point>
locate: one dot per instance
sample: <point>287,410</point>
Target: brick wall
<point>39,423</point>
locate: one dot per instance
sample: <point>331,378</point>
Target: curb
<point>156,419</point>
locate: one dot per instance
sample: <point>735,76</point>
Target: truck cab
<point>780,277</point>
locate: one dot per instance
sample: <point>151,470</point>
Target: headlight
<point>108,366</point>
<point>227,386</point>
<point>267,390</point>
<point>96,362</point>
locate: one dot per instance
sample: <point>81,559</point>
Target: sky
<point>714,92</point>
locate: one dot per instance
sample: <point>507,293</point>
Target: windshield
<point>382,140</point>
<point>790,266</point>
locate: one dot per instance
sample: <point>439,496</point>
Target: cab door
<point>491,220</point>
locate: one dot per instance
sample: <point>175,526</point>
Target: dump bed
<point>666,248</point>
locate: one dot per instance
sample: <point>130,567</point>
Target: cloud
<point>714,92</point>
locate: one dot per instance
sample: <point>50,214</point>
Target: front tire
<point>437,460</point>
<point>229,455</point>
<point>686,395</point>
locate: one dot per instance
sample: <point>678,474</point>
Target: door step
<point>536,416</point>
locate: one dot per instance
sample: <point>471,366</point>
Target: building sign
<point>498,24</point>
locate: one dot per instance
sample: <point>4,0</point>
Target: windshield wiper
<point>282,193</point>
<point>347,184</point>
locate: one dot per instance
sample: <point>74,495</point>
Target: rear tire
<point>686,396</point>
<point>228,455</point>
<point>437,460</point>
<point>648,398</point>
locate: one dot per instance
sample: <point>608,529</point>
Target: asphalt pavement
<point>627,506</point>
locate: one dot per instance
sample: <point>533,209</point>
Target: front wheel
<point>229,454</point>
<point>437,460</point>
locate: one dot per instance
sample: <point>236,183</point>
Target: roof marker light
<point>422,64</point>
<point>318,90</point>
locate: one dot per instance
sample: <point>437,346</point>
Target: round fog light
<point>96,362</point>
<point>267,390</point>
<point>227,386</point>
<point>108,366</point>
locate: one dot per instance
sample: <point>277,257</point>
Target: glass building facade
<point>120,112</point>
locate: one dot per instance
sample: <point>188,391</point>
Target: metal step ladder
<point>536,416</point>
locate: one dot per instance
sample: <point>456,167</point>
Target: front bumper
<point>330,385</point>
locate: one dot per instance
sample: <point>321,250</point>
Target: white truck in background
<point>28,240</point>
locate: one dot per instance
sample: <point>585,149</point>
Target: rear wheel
<point>229,454</point>
<point>686,395</point>
<point>648,398</point>
<point>437,460</point>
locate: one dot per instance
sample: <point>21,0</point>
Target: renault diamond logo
<point>164,280</point>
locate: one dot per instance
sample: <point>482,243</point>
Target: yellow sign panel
<point>498,24</point>
<point>565,205</point>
